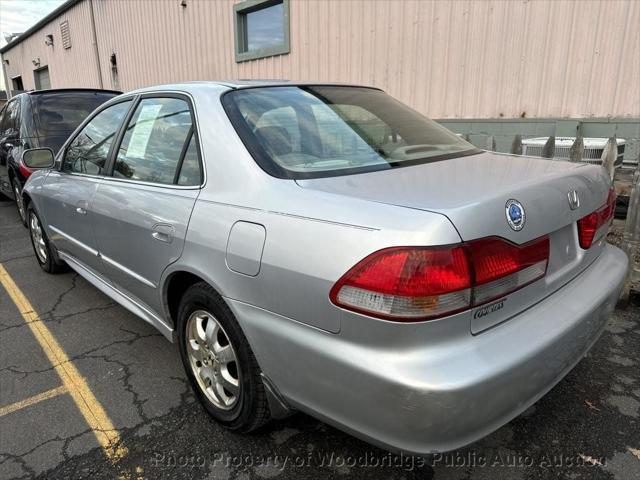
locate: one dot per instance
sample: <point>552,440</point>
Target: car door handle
<point>163,232</point>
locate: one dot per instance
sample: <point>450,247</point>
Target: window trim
<point>111,160</point>
<point>239,27</point>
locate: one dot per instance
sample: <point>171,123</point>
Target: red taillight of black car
<point>421,283</point>
<point>596,224</point>
<point>24,170</point>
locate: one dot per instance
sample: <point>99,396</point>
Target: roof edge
<point>41,23</point>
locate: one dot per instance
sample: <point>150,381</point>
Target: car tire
<point>206,326</point>
<point>46,256</point>
<point>17,192</point>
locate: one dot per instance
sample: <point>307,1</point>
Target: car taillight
<point>501,267</point>
<point>24,170</point>
<point>420,283</point>
<point>591,225</point>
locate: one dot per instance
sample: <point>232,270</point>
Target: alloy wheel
<point>19,201</point>
<point>38,237</point>
<point>213,360</point>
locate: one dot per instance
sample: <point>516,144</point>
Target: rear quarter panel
<point>309,245</point>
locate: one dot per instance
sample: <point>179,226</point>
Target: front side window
<point>262,29</point>
<point>89,150</point>
<point>155,141</point>
<point>317,131</point>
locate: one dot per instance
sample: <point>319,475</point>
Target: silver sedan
<point>327,249</point>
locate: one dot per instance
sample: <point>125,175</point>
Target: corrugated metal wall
<point>448,59</point>
<point>74,67</point>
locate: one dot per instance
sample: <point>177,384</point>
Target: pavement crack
<point>67,442</point>
<point>18,257</point>
<point>12,327</point>
<point>60,299</point>
<point>24,373</point>
<point>137,402</point>
<point>87,354</point>
<point>21,455</point>
<point>51,318</point>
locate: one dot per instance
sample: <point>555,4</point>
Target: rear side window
<point>11,120</point>
<point>89,150</point>
<point>62,112</point>
<point>157,142</point>
<point>190,173</point>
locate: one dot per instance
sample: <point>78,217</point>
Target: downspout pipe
<point>5,77</point>
<point>95,44</point>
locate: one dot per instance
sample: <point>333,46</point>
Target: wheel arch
<point>26,198</point>
<point>175,285</point>
<point>176,280</point>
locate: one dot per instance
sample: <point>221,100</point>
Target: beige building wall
<point>73,67</point>
<point>448,59</point>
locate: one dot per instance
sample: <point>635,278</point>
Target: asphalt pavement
<point>587,427</point>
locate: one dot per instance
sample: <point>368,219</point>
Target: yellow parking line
<point>93,412</point>
<point>27,402</point>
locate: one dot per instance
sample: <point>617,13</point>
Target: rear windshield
<point>61,112</point>
<point>319,131</point>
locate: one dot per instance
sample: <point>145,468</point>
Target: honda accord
<point>325,248</point>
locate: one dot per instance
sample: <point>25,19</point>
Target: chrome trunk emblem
<point>574,199</point>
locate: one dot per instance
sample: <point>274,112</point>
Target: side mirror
<point>38,158</point>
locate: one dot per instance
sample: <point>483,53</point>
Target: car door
<point>9,136</point>
<point>142,210</point>
<point>4,180</point>
<point>70,190</point>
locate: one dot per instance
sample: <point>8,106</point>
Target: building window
<point>16,83</point>
<point>261,28</point>
<point>65,34</point>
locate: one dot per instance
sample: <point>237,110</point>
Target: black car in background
<point>43,118</point>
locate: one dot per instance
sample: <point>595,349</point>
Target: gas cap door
<point>245,246</point>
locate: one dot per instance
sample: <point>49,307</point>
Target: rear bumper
<point>440,396</point>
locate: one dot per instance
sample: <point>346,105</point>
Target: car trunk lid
<point>473,192</point>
